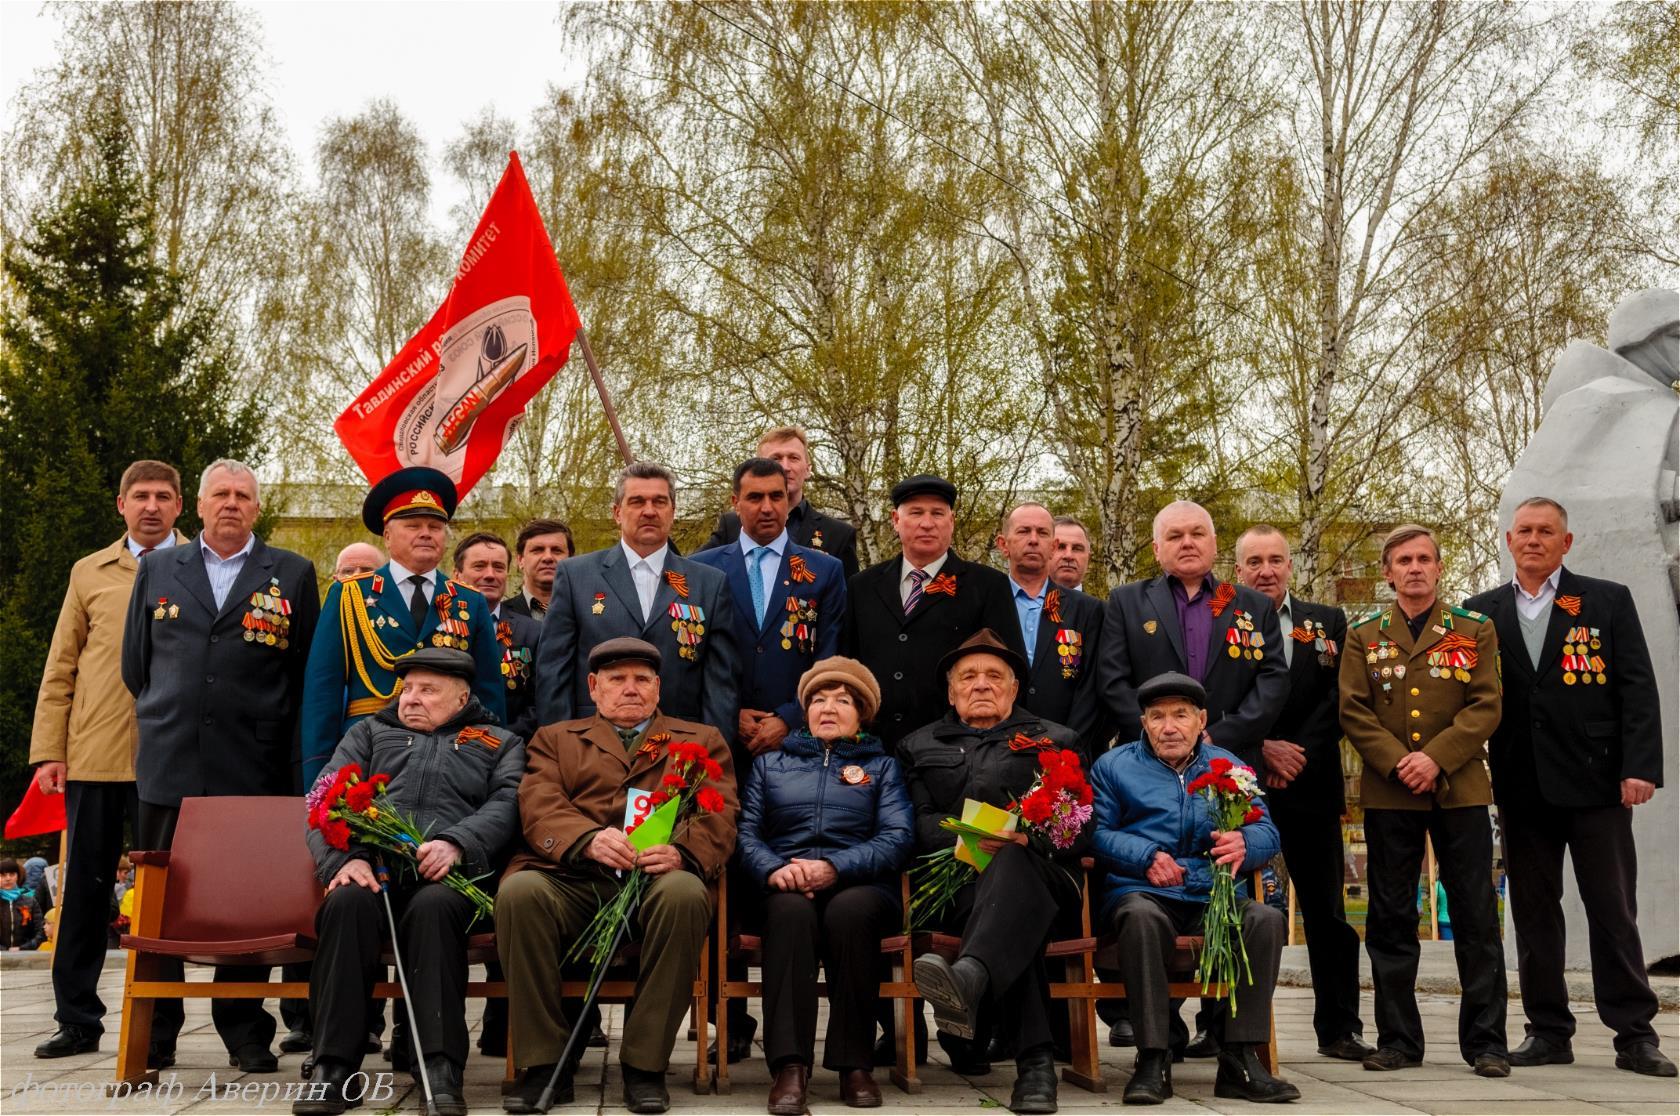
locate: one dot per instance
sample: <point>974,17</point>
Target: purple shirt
<point>1195,623</point>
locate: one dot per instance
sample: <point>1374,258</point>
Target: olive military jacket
<point>1439,695</point>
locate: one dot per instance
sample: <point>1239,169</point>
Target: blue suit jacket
<point>595,600</point>
<point>770,670</point>
<point>336,696</point>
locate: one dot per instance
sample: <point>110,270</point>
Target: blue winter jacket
<point>798,803</point>
<point>1142,809</point>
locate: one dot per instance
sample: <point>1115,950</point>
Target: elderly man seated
<point>987,749</point>
<point>572,806</point>
<point>1156,847</point>
<point>455,773</point>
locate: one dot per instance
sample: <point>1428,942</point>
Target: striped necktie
<point>917,577</point>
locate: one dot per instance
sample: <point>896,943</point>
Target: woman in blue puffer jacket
<point>826,826</point>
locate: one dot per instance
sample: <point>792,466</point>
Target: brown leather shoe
<point>787,1092</point>
<point>858,1089</point>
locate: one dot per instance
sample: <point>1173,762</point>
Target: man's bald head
<point>357,558</point>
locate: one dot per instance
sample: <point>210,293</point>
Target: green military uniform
<point>1437,693</point>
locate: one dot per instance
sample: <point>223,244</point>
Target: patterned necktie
<point>627,737</point>
<point>417,603</point>
<point>755,581</point>
<point>917,577</point>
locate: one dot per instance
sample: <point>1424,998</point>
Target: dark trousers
<point>1005,918</point>
<point>239,1022</point>
<point>96,814</point>
<point>1312,849</point>
<point>432,924</point>
<point>1600,843</point>
<point>1463,843</point>
<point>1148,926</point>
<point>842,928</point>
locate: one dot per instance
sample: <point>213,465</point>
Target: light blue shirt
<point>136,549</point>
<point>769,563</point>
<point>223,572</point>
<point>1531,605</point>
<point>1029,610</point>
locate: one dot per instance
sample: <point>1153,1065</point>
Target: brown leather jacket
<point>577,781</point>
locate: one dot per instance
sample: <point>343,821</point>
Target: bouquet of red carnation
<point>343,805</point>
<point>1232,789</point>
<point>680,796</point>
<point>1058,806</point>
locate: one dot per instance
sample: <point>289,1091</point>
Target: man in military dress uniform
<point>404,605</point>
<point>789,447</point>
<point>1060,628</point>
<point>1419,699</point>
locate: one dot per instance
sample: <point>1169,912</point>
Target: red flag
<point>505,328</point>
<point>37,813</point>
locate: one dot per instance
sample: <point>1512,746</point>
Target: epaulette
<point>1368,617</point>
<point>461,585</point>
<point>359,577</point>
<point>1468,614</point>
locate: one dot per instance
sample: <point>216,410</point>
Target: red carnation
<point>359,797</point>
<point>336,833</point>
<point>351,771</point>
<point>714,769</point>
<point>380,782</point>
<point>658,798</point>
<point>1220,765</point>
<point>673,780</point>
<point>1254,814</point>
<point>1037,807</point>
<point>709,800</point>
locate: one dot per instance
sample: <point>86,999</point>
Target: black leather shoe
<point>997,1047</point>
<point>886,1048</point>
<point>1121,1034</point>
<point>1204,1045</point>
<point>162,1057</point>
<point>445,1078</point>
<point>1348,1048</point>
<point>740,1041</point>
<point>67,1041</point>
<point>597,1039</point>
<point>1537,1051</point>
<point>325,1094</point>
<point>1241,1076</point>
<point>492,1042</point>
<point>527,1090</point>
<point>297,1042</point>
<point>954,991</point>
<point>1491,1065</point>
<point>1035,1083</point>
<point>1151,1081</point>
<point>644,1091</point>
<point>1387,1058</point>
<point>1645,1058</point>
<point>967,1059</point>
<point>254,1057</point>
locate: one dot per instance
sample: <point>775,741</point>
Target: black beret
<point>1169,685</point>
<point>443,660</point>
<point>924,485</point>
<point>621,650</point>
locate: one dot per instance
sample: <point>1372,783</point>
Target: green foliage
<point>102,362</point>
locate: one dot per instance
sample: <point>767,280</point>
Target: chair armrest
<point>157,858</point>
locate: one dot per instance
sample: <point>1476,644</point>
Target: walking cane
<point>547,1097</point>
<point>418,1055</point>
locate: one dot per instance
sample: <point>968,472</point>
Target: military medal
<point>816,539</point>
<point>1243,642</point>
<point>1070,648</point>
<point>600,604</point>
<point>161,609</point>
<point>799,625</point>
<point>689,624</point>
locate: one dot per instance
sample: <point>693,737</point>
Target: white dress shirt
<point>1532,606</point>
<point>135,548</point>
<point>223,572</point>
<point>931,569</point>
<point>645,572</point>
<point>400,574</point>
<point>769,564</point>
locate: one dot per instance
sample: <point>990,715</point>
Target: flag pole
<point>606,400</point>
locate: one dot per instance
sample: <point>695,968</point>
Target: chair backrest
<point>239,869</point>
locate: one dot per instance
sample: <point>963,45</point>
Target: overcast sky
<point>441,62</point>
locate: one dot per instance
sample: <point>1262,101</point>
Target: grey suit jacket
<point>595,600</point>
<point>218,712</point>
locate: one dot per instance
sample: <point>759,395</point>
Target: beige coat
<point>1445,716</point>
<point>84,716</point>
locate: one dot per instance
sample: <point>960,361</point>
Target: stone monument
<point>1608,449</point>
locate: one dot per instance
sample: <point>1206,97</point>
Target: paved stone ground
<point>1443,1085</point>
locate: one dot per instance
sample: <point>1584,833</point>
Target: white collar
<point>1548,588</point>
<point>776,545</point>
<point>210,555</point>
<point>931,569</point>
<point>401,573</point>
<point>135,548</point>
<point>656,560</point>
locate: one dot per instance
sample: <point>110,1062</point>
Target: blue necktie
<point>755,581</point>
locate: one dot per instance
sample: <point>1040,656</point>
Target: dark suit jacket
<point>1572,745</point>
<point>218,713</point>
<point>703,688</point>
<point>521,605</point>
<point>806,526</point>
<point>904,651</point>
<point>770,671</point>
<point>518,638</point>
<point>1064,689</point>
<point>1142,638</point>
<point>1309,716</point>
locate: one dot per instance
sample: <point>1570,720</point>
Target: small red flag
<point>37,813</point>
<point>448,399</point>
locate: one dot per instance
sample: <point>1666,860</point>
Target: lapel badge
<point>174,611</point>
<point>853,775</point>
<point>161,609</point>
<point>600,604</point>
<point>1149,626</point>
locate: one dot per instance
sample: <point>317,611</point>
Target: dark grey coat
<point>464,792</point>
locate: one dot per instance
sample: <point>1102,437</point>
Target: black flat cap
<point>985,642</point>
<point>624,649</point>
<point>442,660</point>
<point>1172,685</point>
<point>925,484</point>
